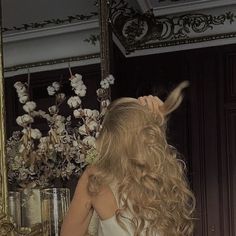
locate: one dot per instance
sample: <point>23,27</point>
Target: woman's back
<point>103,222</point>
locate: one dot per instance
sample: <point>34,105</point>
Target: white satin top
<point>110,227</point>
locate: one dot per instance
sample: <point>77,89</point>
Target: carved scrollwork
<point>135,30</point>
<point>5,225</point>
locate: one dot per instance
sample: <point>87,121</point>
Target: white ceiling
<point>16,13</point>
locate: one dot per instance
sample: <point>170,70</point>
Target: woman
<point>137,186</point>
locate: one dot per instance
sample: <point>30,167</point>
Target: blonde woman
<point>137,186</point>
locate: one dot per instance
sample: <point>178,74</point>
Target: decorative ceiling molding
<point>52,64</point>
<point>54,30</point>
<point>137,31</point>
<point>50,23</point>
<point>166,7</point>
<point>32,47</point>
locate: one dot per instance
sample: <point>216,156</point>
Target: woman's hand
<point>152,102</point>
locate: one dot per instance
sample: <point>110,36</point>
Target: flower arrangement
<point>35,159</point>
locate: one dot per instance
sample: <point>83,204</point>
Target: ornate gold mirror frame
<point>6,226</point>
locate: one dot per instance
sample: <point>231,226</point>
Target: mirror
<point>43,42</point>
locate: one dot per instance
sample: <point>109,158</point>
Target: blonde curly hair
<point>152,186</point>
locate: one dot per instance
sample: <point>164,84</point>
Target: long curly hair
<point>151,182</point>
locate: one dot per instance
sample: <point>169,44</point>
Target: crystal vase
<point>55,203</point>
<point>30,207</point>
<point>14,207</point>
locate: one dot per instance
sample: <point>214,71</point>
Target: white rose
<point>56,86</point>
<point>23,99</point>
<point>89,140</point>
<point>51,90</point>
<point>74,102</point>
<point>29,106</point>
<point>35,134</point>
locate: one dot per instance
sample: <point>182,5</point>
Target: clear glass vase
<point>30,207</point>
<point>55,203</point>
<point>14,207</point>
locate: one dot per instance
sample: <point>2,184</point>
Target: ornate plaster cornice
<point>51,62</point>
<point>137,31</point>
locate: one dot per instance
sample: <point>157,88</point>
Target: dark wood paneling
<point>230,75</point>
<point>231,156</point>
<point>203,128</point>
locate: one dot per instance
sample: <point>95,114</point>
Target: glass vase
<point>14,207</point>
<point>55,203</point>
<point>30,207</point>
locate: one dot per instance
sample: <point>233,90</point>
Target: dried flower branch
<point>35,159</point>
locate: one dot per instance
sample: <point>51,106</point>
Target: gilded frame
<point>6,226</point>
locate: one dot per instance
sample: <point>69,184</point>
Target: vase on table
<point>14,208</point>
<point>55,203</point>
<point>30,207</point>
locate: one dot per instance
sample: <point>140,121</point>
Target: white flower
<point>74,102</point>
<point>18,85</point>
<point>20,89</point>
<point>82,130</point>
<point>60,128</point>
<point>24,120</point>
<point>23,99</point>
<point>105,103</point>
<point>29,106</point>
<point>104,84</point>
<point>89,140</point>
<point>110,79</point>
<point>92,125</point>
<point>80,92</point>
<point>88,112</point>
<point>52,109</point>
<point>78,113</point>
<point>78,76</point>
<point>51,90</point>
<point>35,134</point>
<point>95,113</point>
<point>76,80</point>
<point>56,86</point>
